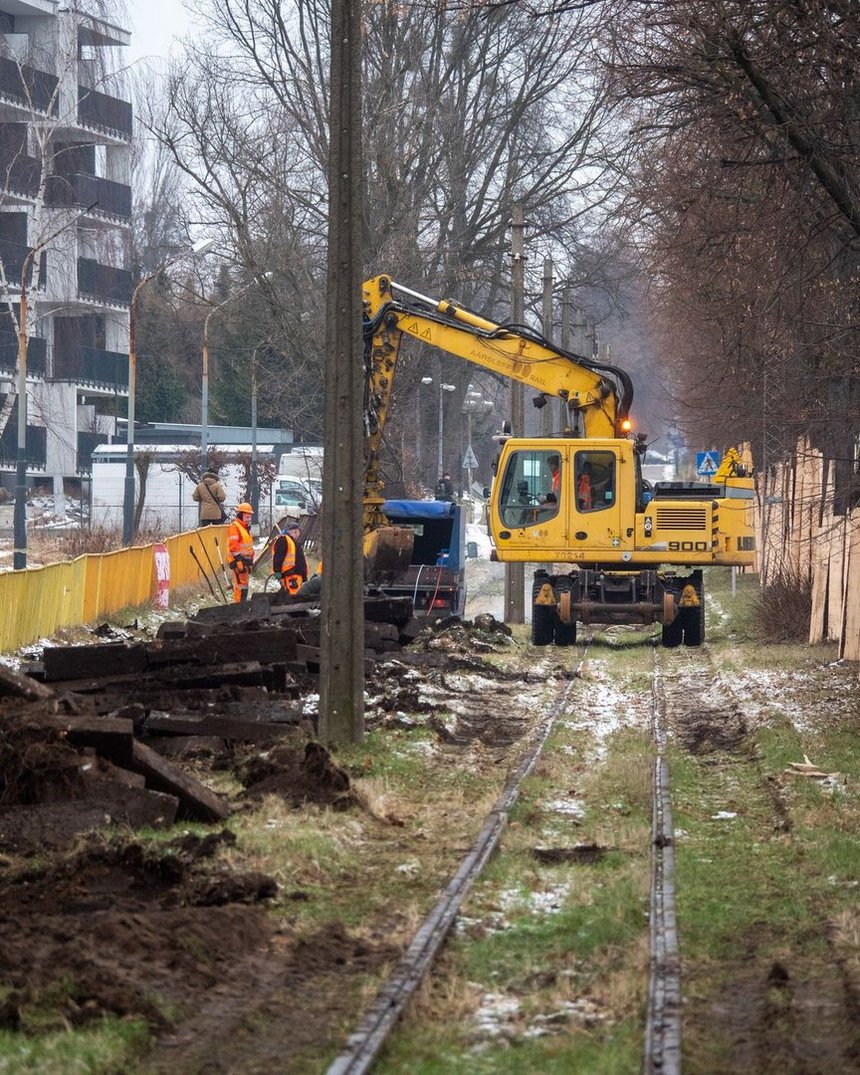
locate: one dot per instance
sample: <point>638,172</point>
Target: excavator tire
<point>543,617</point>
<point>694,618</point>
<point>565,633</point>
<point>671,636</point>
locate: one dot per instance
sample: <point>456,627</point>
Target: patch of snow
<point>569,808</point>
<point>496,1017</point>
<point>724,815</point>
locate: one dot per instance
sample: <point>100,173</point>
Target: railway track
<point>662,1046</point>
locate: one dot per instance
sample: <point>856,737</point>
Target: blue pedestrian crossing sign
<point>707,464</point>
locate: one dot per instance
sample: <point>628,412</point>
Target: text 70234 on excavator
<point>615,550</point>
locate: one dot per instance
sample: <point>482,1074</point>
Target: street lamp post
<point>200,247</point>
<point>204,407</point>
<point>442,388</point>
<point>254,490</point>
<point>419,424</point>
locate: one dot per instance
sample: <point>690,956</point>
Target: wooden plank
<point>838,576</point>
<point>185,746</point>
<point>849,642</point>
<point>83,662</point>
<point>56,824</point>
<point>396,610</point>
<point>111,737</point>
<point>186,677</point>
<point>21,686</point>
<point>196,801</point>
<point>254,731</point>
<point>268,646</point>
<point>254,611</point>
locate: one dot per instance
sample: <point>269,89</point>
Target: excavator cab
<point>564,501</point>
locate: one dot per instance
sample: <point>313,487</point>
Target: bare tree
<point>465,111</point>
<point>744,197</point>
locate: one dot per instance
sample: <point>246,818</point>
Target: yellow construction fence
<point>37,602</point>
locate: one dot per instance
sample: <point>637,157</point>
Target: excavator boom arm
<point>600,393</point>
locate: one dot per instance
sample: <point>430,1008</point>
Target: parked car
<point>298,494</point>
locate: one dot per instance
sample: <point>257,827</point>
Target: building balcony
<point>35,447</point>
<point>106,197</point>
<point>37,355</point>
<point>13,256</point>
<point>104,284</point>
<point>27,88</point>
<point>19,175</point>
<point>100,112</point>
<point>91,366</point>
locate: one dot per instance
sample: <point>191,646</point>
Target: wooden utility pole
<point>341,708</point>
<point>546,423</point>
<point>514,573</point>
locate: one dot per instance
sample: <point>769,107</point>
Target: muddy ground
<point>175,932</point>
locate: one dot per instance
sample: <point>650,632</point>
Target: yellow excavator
<point>612,549</point>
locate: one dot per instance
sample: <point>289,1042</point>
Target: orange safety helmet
<point>244,508</point>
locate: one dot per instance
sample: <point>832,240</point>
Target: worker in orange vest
<point>240,547</point>
<point>583,489</point>
<point>288,558</point>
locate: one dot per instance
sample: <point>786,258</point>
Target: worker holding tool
<point>288,558</point>
<point>240,550</point>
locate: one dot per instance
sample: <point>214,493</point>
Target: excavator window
<point>532,487</point>
<point>594,478</point>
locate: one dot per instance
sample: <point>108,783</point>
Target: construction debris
<point>92,735</point>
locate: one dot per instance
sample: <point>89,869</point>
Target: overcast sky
<point>155,24</point>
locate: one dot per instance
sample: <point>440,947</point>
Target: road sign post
<point>470,462</point>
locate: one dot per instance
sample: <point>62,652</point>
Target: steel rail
<point>365,1043</point>
<point>662,1052</point>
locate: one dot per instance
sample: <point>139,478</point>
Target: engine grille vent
<point>682,518</point>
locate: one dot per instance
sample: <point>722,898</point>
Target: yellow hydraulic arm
<point>597,392</point>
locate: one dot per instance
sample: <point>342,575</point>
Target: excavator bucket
<point>387,552</point>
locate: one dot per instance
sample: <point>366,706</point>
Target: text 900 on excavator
<point>610,548</point>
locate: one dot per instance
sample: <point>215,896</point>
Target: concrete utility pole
<point>341,709</point>
<point>546,412</point>
<point>514,574</point>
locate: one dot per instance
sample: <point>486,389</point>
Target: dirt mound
<point>299,776</point>
<point>109,931</point>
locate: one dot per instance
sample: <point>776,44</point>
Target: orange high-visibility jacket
<point>240,542</point>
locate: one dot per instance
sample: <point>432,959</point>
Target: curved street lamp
<point>202,246</point>
<point>442,388</point>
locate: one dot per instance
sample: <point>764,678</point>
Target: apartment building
<point>65,234</point>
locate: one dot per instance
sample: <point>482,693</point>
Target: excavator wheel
<point>543,617</point>
<point>671,636</point>
<point>694,618</point>
<point>543,610</point>
<point>565,633</point>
